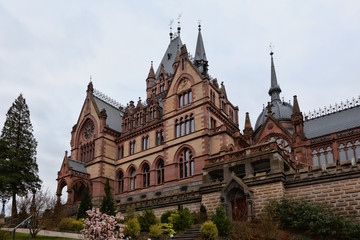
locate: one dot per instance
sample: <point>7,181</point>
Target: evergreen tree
<point>108,204</point>
<point>19,157</point>
<point>85,204</point>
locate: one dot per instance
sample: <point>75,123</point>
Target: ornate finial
<point>151,63</point>
<point>171,33</point>
<point>179,28</point>
<point>199,24</point>
<point>66,152</point>
<point>269,108</point>
<point>271,47</point>
<point>90,78</point>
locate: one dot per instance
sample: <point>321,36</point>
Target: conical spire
<point>200,59</point>
<point>296,108</point>
<point>275,90</point>
<point>151,72</point>
<point>247,121</point>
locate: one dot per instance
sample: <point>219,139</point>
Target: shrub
<point>155,231</point>
<point>318,220</point>
<point>102,226</point>
<point>222,221</point>
<point>132,228</point>
<point>85,204</point>
<point>130,214</point>
<point>147,219</point>
<point>168,228</point>
<point>209,231</point>
<point>77,225</point>
<point>108,204</point>
<point>165,216</point>
<point>66,224</point>
<point>182,219</point>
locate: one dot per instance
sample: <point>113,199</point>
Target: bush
<point>155,231</point>
<point>222,221</point>
<point>182,219</point>
<point>108,204</point>
<point>85,204</point>
<point>147,219</point>
<point>132,228</point>
<point>209,231</point>
<point>66,224</point>
<point>165,216</point>
<point>168,228</point>
<point>102,226</point>
<point>130,214</point>
<point>318,220</point>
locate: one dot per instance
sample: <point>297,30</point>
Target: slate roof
<point>169,56</point>
<point>114,115</point>
<point>331,123</point>
<point>281,111</point>
<point>77,166</point>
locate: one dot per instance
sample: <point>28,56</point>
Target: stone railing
<point>80,174</point>
<point>261,148</point>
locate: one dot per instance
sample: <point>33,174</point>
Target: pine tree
<point>21,173</point>
<point>85,204</point>
<point>108,204</point>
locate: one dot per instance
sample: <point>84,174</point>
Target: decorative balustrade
<point>261,148</point>
<point>333,109</point>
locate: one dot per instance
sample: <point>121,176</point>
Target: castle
<point>182,146</point>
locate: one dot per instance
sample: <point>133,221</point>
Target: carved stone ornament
<point>89,130</point>
<point>184,84</point>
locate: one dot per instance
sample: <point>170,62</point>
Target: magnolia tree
<point>102,226</point>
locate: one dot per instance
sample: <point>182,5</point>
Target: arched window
<point>350,151</point>
<point>177,129</point>
<point>132,179</point>
<point>192,123</point>
<point>146,176</point>
<point>121,183</point>
<point>182,127</point>
<point>187,125</point>
<point>145,143</point>
<point>342,153</point>
<point>315,158</point>
<point>160,172</point>
<point>329,155</point>
<point>151,113</point>
<point>357,149</point>
<point>161,136</point>
<point>186,164</point>
<point>322,157</point>
<point>185,98</point>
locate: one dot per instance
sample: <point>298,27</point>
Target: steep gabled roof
<point>332,123</point>
<point>77,166</point>
<point>114,114</point>
<point>169,56</point>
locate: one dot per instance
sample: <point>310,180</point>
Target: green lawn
<point>24,236</point>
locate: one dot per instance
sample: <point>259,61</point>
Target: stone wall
<point>211,201</point>
<point>261,193</point>
<point>344,195</point>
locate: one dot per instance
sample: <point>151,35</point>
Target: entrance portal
<point>239,207</point>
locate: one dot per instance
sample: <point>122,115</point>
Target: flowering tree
<point>102,226</point>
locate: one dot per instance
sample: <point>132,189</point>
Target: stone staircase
<point>190,234</point>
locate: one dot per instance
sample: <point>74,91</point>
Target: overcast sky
<point>49,49</point>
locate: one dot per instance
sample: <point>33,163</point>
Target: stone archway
<point>237,199</point>
<point>78,189</point>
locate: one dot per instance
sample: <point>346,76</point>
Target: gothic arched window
<point>120,182</point>
<point>160,172</point>
<point>186,164</point>
<point>146,176</point>
<point>342,153</point>
<point>133,179</point>
<point>315,158</point>
<point>329,155</point>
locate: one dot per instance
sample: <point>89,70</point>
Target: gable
<point>271,126</point>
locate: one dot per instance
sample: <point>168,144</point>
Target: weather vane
<point>271,48</point>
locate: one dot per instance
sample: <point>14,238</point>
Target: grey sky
<point>48,50</point>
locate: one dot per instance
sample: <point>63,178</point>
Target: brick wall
<point>344,195</point>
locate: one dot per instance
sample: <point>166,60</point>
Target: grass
<point>25,236</point>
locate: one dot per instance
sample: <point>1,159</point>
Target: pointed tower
<point>150,80</point>
<point>248,130</point>
<point>275,89</point>
<point>297,121</point>
<point>200,59</point>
